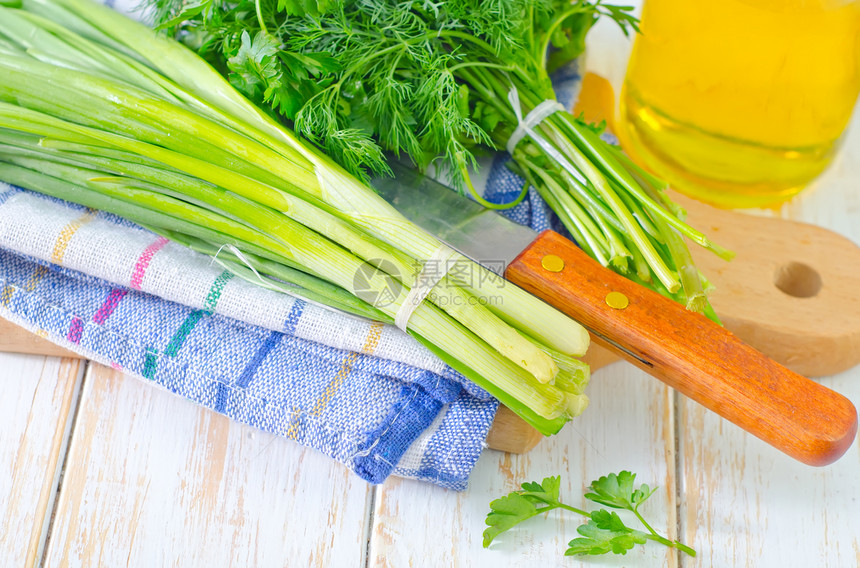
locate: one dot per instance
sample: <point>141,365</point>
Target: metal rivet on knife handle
<point>552,263</point>
<point>617,300</point>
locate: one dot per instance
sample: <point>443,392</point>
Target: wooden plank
<point>16,339</point>
<point>629,425</point>
<point>35,414</point>
<point>154,480</point>
<point>747,505</point>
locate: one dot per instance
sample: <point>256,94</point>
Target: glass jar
<point>741,103</point>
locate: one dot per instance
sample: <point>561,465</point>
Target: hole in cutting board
<point>797,279</point>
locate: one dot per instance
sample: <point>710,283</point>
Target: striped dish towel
<point>363,393</point>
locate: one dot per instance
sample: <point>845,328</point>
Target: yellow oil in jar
<point>741,103</point>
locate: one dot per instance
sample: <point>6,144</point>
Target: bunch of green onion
<point>98,110</point>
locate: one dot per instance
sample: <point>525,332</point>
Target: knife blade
<point>685,350</point>
<point>475,231</point>
<point>478,233</point>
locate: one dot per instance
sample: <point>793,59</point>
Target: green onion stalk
<point>440,82</point>
<point>100,110</point>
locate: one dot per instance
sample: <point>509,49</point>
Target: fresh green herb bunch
<point>359,75</point>
<point>431,80</point>
<point>604,532</point>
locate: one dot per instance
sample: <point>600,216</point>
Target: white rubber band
<point>526,127</point>
<point>532,119</point>
<point>423,284</point>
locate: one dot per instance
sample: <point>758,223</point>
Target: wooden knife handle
<point>691,354</point>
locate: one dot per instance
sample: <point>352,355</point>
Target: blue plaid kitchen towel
<point>363,393</point>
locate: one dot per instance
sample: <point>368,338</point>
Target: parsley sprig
<point>604,532</point>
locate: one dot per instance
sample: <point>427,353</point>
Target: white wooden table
<point>100,469</point>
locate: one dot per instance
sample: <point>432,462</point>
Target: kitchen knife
<point>685,350</point>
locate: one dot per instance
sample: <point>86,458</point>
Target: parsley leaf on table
<point>617,491</point>
<point>534,498</point>
<point>604,532</point>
